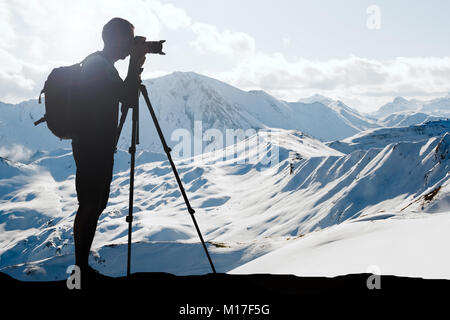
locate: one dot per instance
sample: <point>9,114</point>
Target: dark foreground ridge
<point>229,296</point>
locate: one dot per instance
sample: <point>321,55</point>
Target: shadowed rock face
<point>443,148</point>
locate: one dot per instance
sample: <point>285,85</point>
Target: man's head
<point>118,37</point>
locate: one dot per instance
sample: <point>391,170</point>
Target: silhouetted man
<point>101,89</point>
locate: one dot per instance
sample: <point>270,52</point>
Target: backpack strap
<point>40,94</point>
<point>43,119</point>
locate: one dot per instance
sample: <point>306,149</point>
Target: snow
<point>411,247</point>
<point>379,138</point>
<point>246,207</point>
<point>379,196</point>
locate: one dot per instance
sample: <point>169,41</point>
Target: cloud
<point>40,35</point>
<point>354,77</point>
<point>227,43</point>
<point>17,79</point>
<point>16,153</point>
<point>170,16</point>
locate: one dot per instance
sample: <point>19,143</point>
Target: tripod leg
<point>174,169</point>
<point>132,151</point>
<point>121,122</point>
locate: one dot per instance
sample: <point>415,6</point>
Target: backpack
<point>60,91</point>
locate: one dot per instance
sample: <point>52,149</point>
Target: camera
<point>152,46</point>
<point>155,46</point>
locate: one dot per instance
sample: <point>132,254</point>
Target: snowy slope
<point>246,206</point>
<point>407,118</point>
<point>379,138</point>
<point>411,247</point>
<point>390,242</point>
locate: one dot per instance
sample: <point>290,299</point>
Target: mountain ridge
<point>179,99</point>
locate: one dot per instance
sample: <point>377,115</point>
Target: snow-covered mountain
<point>182,98</point>
<point>246,206</point>
<point>439,107</point>
<point>282,198</point>
<point>354,118</point>
<point>355,121</point>
<point>399,104</point>
<point>379,138</point>
<point>407,118</point>
<point>317,98</point>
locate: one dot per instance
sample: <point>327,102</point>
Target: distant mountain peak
<point>260,92</point>
<point>399,100</point>
<point>186,73</point>
<point>184,76</point>
<point>316,98</point>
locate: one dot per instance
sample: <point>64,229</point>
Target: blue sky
<point>333,29</point>
<point>291,49</point>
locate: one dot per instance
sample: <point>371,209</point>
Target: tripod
<point>132,151</point>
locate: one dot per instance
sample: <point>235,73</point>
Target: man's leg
<point>83,233</point>
<point>93,179</point>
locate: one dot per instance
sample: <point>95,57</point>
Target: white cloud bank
<point>16,153</point>
<point>353,78</point>
<point>227,43</point>
<point>40,35</point>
